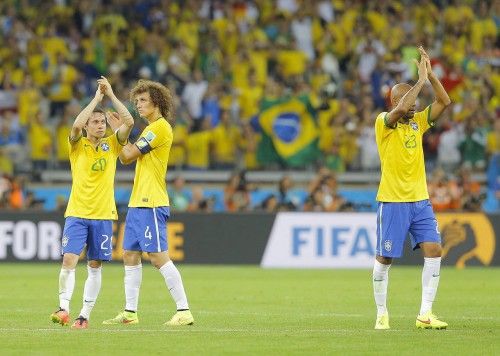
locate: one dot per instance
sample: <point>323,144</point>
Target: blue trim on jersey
<point>146,229</point>
<point>396,220</point>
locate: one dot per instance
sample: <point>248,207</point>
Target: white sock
<point>430,282</point>
<point>133,279</point>
<point>380,282</point>
<point>174,284</point>
<point>91,290</point>
<point>66,287</point>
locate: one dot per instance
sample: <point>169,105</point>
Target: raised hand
<point>99,94</point>
<point>423,54</point>
<point>105,87</point>
<point>114,120</point>
<point>422,68</point>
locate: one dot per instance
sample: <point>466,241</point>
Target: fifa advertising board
<point>322,240</point>
<point>284,240</point>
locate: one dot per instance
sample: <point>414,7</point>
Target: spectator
<point>443,193</point>
<point>178,196</point>
<point>470,191</point>
<point>236,194</point>
<point>193,94</point>
<point>472,147</point>
<point>198,145</point>
<point>41,140</point>
<point>285,198</point>
<point>225,137</point>
<point>270,204</point>
<point>448,153</point>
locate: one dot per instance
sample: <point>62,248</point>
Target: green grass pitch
<point>248,310</point>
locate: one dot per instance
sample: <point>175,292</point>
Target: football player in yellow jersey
<point>91,207</point>
<point>404,205</point>
<point>146,222</point>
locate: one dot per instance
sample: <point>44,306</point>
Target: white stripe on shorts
<point>380,228</point>
<point>157,232</point>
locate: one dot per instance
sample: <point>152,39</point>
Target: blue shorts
<point>146,229</point>
<point>96,234</point>
<point>396,220</point>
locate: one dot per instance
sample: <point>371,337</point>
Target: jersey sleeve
<point>115,144</point>
<point>153,136</point>
<point>74,146</point>
<point>423,119</point>
<point>381,129</point>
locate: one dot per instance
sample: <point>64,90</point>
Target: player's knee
<point>432,250</point>
<point>384,260</point>
<point>69,261</point>
<point>158,259</point>
<point>94,264</point>
<point>131,258</point>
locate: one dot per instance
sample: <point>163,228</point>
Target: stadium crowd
<point>223,59</point>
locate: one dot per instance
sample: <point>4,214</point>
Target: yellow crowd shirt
<point>150,188</point>
<point>402,159</point>
<point>93,173</point>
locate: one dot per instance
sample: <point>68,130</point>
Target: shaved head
<point>398,91</point>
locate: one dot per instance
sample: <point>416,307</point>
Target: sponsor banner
<point>468,239</point>
<point>192,238</point>
<point>295,240</point>
<point>322,240</point>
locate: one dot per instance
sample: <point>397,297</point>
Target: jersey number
<point>410,141</point>
<point>99,165</point>
<point>103,244</point>
<point>147,233</point>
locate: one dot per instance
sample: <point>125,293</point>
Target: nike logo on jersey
<point>377,280</point>
<point>107,254</point>
<point>435,275</point>
<point>147,245</point>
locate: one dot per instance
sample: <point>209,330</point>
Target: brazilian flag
<point>289,132</point>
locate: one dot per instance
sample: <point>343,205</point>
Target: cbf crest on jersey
<point>414,125</point>
<point>104,146</point>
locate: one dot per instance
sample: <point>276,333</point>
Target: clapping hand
<point>105,87</point>
<point>114,120</point>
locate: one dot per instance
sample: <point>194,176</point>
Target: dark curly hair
<point>160,96</point>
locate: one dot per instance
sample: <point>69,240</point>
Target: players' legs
<point>92,287</point>
<point>172,278</point>
<point>392,228</point>
<point>67,280</point>
<point>380,283</point>
<point>132,282</point>
<point>430,274</point>
<point>74,236</point>
<point>425,235</point>
<point>99,248</point>
<point>133,279</point>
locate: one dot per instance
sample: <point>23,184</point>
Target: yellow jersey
<point>150,188</point>
<point>198,149</point>
<point>225,143</point>
<point>41,141</point>
<point>93,174</point>
<point>402,158</point>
